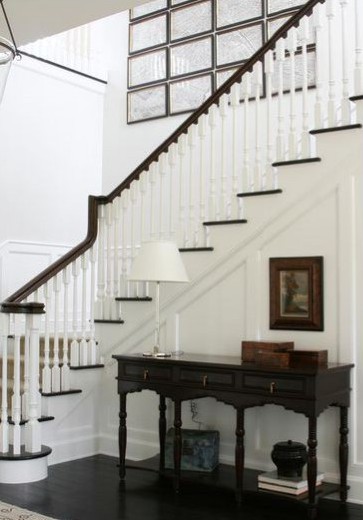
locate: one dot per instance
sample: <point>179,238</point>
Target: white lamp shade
<point>158,261</point>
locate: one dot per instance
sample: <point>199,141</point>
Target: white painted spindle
<point>134,286</point>
<point>16,398</point>
<point>202,131</point>
<point>172,156</point>
<point>46,371</point>
<point>107,313</point>
<point>125,205</point>
<point>65,372</point>
<point>330,13</point>
<point>246,138</point>
<point>92,341</point>
<point>153,203</point>
<point>268,173</point>
<point>212,206</point>
<point>56,379</point>
<point>116,263</point>
<point>101,263</point>
<point>182,215</point>
<point>83,346</point>
<point>25,394</point>
<point>4,425</point>
<point>162,213</point>
<point>319,63</point>
<point>256,178</point>
<point>280,140</point>
<point>345,103</point>
<point>358,70</point>
<point>190,238</point>
<point>305,137</point>
<point>74,343</point>
<point>32,428</point>
<point>292,46</point>
<point>224,202</point>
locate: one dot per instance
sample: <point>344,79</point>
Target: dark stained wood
<point>162,431</point>
<point>115,322</point>
<point>88,489</point>
<point>224,222</point>
<point>122,435</point>
<point>62,392</point>
<point>335,129</point>
<point>308,390</point>
<point>22,308</point>
<point>343,452</point>
<point>259,193</point>
<point>133,299</point>
<point>94,202</point>
<point>297,161</point>
<point>195,249</point>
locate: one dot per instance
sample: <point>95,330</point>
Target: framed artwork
<point>147,68</point>
<point>147,103</point>
<point>191,57</point>
<point>273,24</point>
<point>191,20</point>
<point>155,6</point>
<point>237,45</point>
<point>235,12</point>
<point>188,94</point>
<point>311,65</point>
<point>149,33</point>
<point>296,293</point>
<point>279,6</point>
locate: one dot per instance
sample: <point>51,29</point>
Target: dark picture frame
<point>147,103</point>
<point>193,25</point>
<point>296,293</point>
<point>146,35</point>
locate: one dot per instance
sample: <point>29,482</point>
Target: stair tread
<point>307,160</point>
<point>224,222</point>
<point>84,367</point>
<point>133,299</point>
<point>62,392</point>
<point>335,129</point>
<point>195,249</point>
<point>110,321</point>
<point>43,418</point>
<point>25,455</point>
<point>259,193</point>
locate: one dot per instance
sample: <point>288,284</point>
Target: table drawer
<point>207,378</point>
<point>137,371</point>
<point>275,384</point>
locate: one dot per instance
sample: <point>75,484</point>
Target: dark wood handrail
<point>94,202</point>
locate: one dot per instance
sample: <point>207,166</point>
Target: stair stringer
<point>333,185</point>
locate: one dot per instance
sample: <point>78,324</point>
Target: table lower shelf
<point>223,477</point>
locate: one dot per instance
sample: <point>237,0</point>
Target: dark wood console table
<point>242,385</point>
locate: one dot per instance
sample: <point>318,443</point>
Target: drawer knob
<point>272,387</point>
<point>146,375</point>
<point>205,381</point>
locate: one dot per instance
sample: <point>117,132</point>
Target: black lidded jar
<point>290,457</point>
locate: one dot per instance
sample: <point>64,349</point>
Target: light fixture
<point>158,261</point>
<point>8,51</point>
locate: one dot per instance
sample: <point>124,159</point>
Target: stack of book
<point>270,481</point>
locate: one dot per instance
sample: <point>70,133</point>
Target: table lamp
<point>158,261</point>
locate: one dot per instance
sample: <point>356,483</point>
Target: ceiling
<point>34,19</point>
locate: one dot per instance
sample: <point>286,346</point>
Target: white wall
<point>51,153</point>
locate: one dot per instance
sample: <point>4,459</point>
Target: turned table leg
<point>177,444</point>
<point>312,467</point>
<point>162,431</point>
<point>122,435</point>
<point>343,452</point>
<point>239,453</point>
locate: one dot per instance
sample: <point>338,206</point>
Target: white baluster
<point>116,271</point>
<point>172,155</point>
<point>125,205</point>
<point>83,346</point>
<point>345,103</point>
<point>330,13</point>
<point>25,394</point>
<point>191,185</point>
<point>268,173</point>
<point>182,215</point>
<point>46,371</point>
<point>358,70</point>
<point>133,229</point>
<point>319,64</point>
<point>291,47</point>
<point>152,183</point>
<point>32,428</point>
<point>101,263</point>
<point>74,343</point>
<point>246,171</point>
<point>4,425</point>
<point>257,80</point>
<point>202,131</point>
<point>305,137</point>
<point>280,141</point>
<point>224,202</point>
<point>109,271</point>
<point>143,191</point>
<point>56,386</point>
<point>162,202</point>
<point>212,206</point>
<point>16,398</point>
<point>93,351</point>
<point>65,372</point>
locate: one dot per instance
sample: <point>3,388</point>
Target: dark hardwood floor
<point>89,489</point>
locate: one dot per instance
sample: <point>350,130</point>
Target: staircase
<point>252,156</point>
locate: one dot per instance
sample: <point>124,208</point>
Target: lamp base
<point>156,354</point>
